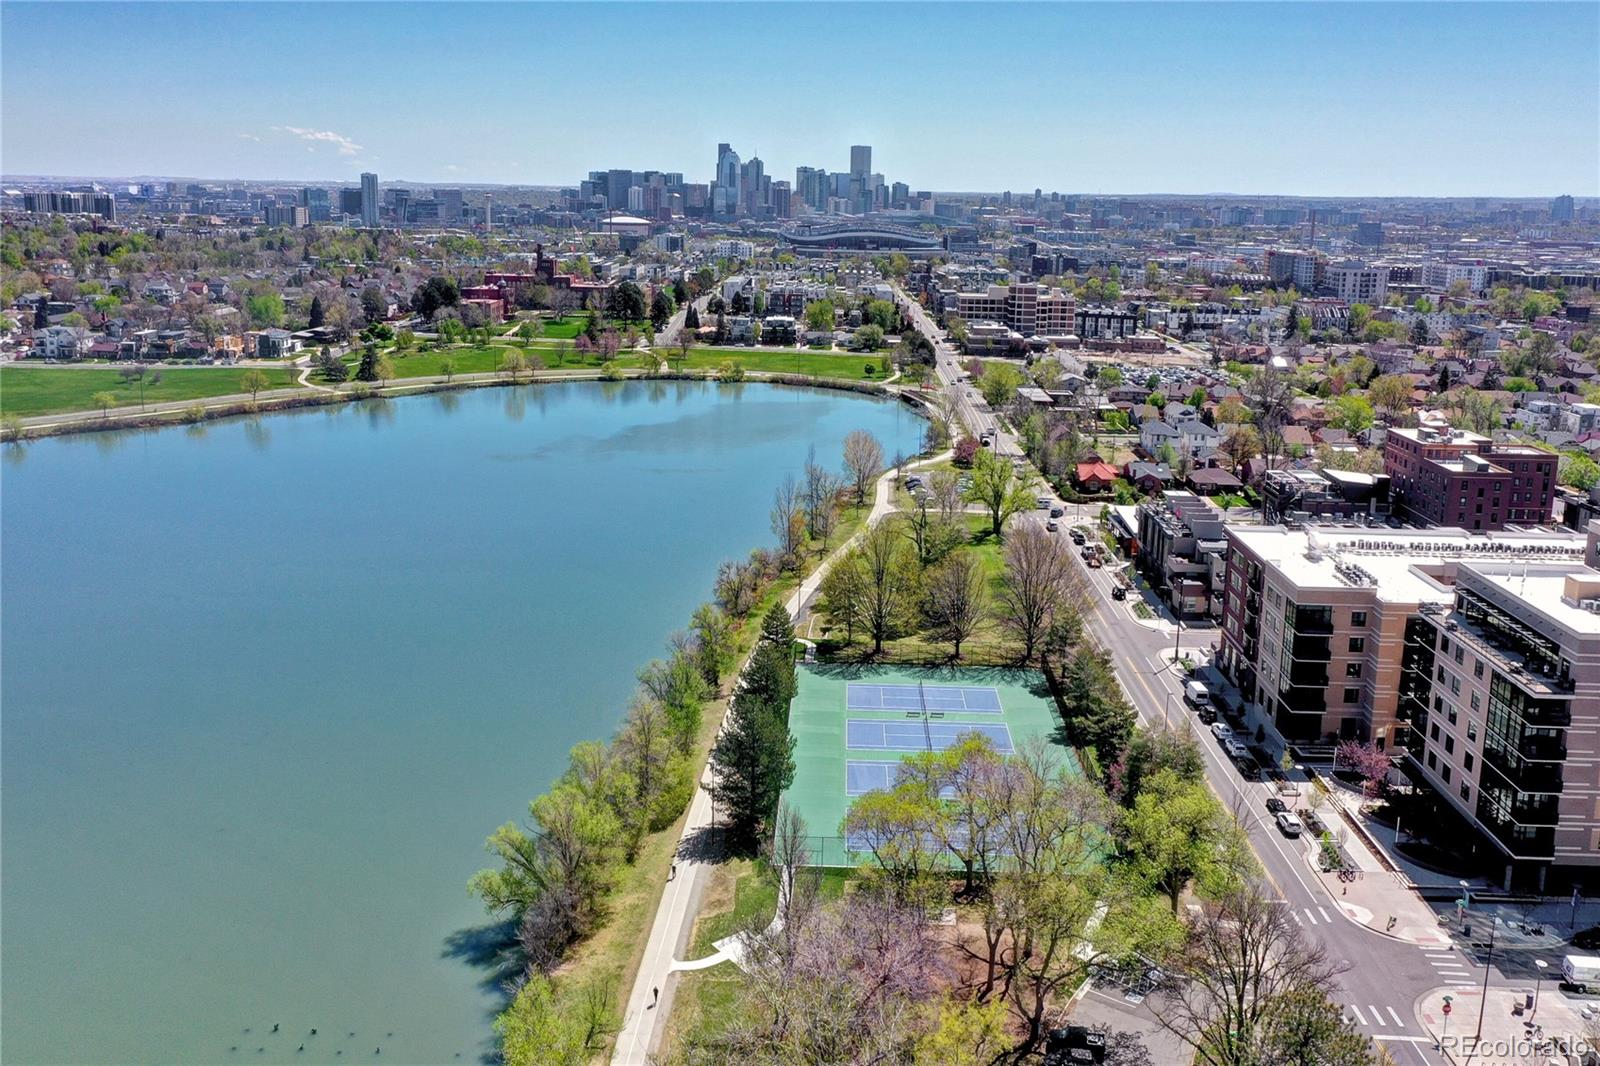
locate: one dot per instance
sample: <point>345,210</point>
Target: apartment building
<point>1183,551</point>
<point>1358,283</point>
<point>1027,308</point>
<point>1288,266</point>
<point>1450,477</point>
<point>1504,692</point>
<point>1439,276</point>
<point>1319,624</point>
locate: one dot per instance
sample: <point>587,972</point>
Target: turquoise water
<point>269,684</point>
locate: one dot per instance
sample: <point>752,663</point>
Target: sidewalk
<point>1532,1038</point>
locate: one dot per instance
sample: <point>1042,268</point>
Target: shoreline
<point>239,404</point>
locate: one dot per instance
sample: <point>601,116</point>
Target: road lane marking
<point>1377,1015</point>
<point>1312,918</point>
<point>1324,914</point>
<point>1359,1016</point>
<point>1396,1018</point>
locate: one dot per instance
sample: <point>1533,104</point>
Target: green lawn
<point>568,328</point>
<point>27,391</point>
<point>798,361</point>
<point>480,359</point>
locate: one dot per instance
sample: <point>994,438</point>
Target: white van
<point>1580,971</point>
<point>1196,695</point>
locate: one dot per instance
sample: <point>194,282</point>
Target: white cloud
<point>345,145</point>
<point>249,137</point>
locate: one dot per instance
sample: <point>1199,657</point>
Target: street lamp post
<point>1483,1004</point>
<point>1539,984</point>
<point>1464,902</point>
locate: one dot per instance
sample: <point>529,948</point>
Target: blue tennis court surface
<point>862,776</point>
<point>943,698</point>
<point>862,734</point>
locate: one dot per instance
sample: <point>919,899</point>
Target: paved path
<point>650,1001</point>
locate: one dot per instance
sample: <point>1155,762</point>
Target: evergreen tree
<point>591,330</point>
<point>367,370</point>
<point>1444,377</point>
<point>1419,332</point>
<point>691,318</point>
<point>315,316</point>
<point>777,627</point>
<point>752,763</point>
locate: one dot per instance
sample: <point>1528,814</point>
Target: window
<point>1455,685</point>
<point>1444,645</point>
<point>1433,762</point>
<point>1476,704</point>
<point>1449,744</point>
<point>1358,643</point>
<point>1466,792</point>
<point>1352,695</point>
<point>1352,669</point>
<point>1477,668</point>
<point>1444,775</point>
<point>1433,731</point>
<point>1452,716</point>
<point>1472,732</point>
<point>1466,761</point>
<point>1441,674</point>
<point>1461,652</point>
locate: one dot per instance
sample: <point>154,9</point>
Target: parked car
<point>1221,730</point>
<point>1077,536</point>
<point>1207,713</point>
<point>1118,592</point>
<point>1276,805</point>
<point>1056,512</point>
<point>1195,694</point>
<point>1044,503</point>
<point>1052,526</point>
<point>1289,825</point>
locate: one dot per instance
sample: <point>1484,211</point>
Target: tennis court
<point>946,698</point>
<point>854,724</point>
<point>917,734</point>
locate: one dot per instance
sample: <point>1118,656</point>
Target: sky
<point>1307,99</point>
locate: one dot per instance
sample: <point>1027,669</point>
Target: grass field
<point>28,391</point>
<point>811,364</point>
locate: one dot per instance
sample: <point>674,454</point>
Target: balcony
<point>1308,675</point>
<point>1523,842</point>
<point>1311,649</point>
<point>1550,749</point>
<point>1521,775</point>
<point>1313,620</point>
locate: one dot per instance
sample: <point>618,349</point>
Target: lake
<point>269,683</point>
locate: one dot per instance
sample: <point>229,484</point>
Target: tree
<point>752,761</point>
<point>1350,412</point>
<point>843,590</point>
<point>253,381</point>
<point>374,305</point>
<point>1391,394</point>
<point>788,519</point>
<point>996,486</point>
<point>863,461</point>
<point>888,584</point>
<point>1177,832</point>
<point>820,493</point>
<point>956,598</point>
<point>1241,443</point>
<point>678,683</point>
<point>105,401</point>
<point>627,302</point>
<point>1419,331</point>
<point>819,315</point>
<point>1040,586</point>
<point>1109,377</point>
<point>447,367</point>
<point>999,384</point>
<point>1097,714</point>
<point>265,309</point>
<point>513,364</point>
<point>1367,761</point>
<point>1579,471</point>
<point>965,452</point>
<point>661,308</point>
<point>1269,393</point>
<point>435,293</point>
<point>869,338</point>
<point>714,642</point>
<point>315,315</point>
<point>1243,983</point>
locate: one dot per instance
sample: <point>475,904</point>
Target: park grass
<point>486,359</point>
<point>26,391</point>
<point>797,361</point>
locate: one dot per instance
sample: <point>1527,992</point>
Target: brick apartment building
<point>1319,623</point>
<point>1449,477</point>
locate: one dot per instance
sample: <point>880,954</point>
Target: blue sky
<point>1298,99</point>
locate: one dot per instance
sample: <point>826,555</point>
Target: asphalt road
<point>1386,980</point>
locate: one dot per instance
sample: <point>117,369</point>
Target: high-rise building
<point>725,189</point>
<point>811,183</point>
<point>1356,282</point>
<point>861,178</point>
<point>1562,209</point>
<point>369,200</point>
<point>451,210</point>
<point>1450,477</point>
<point>860,160</point>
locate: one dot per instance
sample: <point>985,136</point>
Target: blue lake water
<point>268,684</point>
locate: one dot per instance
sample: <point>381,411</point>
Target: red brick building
<point>1449,477</point>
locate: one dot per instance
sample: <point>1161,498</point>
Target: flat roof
<point>1390,560</point>
<point>1542,586</point>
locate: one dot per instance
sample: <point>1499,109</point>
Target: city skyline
<point>1245,116</point>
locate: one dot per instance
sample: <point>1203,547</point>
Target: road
<point>1387,979</point>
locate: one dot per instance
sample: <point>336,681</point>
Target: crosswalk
<point>1450,966</point>
<point>1373,1016</point>
<point>1312,916</point>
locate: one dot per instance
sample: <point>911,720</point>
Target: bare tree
<point>1040,584</point>
<point>945,485</point>
<point>821,494</point>
<point>1269,393</point>
<point>956,600</point>
<point>1247,985</point>
<point>863,461</point>
<point>788,519</point>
